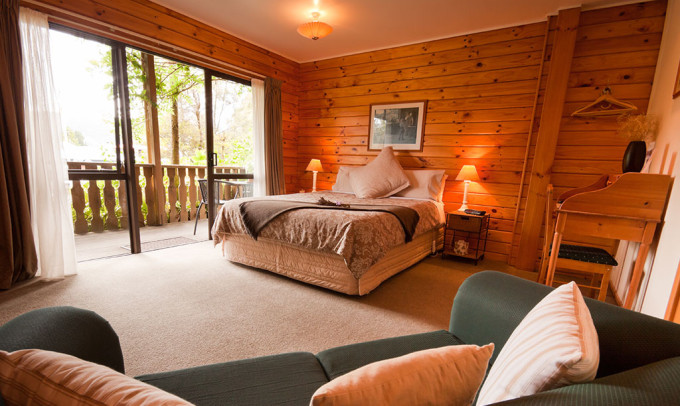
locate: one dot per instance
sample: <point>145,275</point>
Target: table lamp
<point>468,174</point>
<point>314,166</point>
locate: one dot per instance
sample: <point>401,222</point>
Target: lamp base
<point>464,206</point>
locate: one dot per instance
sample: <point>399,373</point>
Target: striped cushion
<point>38,377</point>
<point>555,345</point>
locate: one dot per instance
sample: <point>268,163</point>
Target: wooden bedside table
<point>465,235</point>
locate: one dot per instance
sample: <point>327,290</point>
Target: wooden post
<point>155,205</point>
<point>548,132</point>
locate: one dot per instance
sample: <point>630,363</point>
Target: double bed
<point>347,251</point>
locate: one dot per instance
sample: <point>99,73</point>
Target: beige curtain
<point>18,259</point>
<point>273,137</point>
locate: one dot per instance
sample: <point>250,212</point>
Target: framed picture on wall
<point>397,125</point>
<point>676,89</point>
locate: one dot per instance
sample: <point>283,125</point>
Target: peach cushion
<point>555,345</point>
<point>342,183</point>
<point>424,184</point>
<point>40,377</point>
<point>381,177</point>
<point>440,376</point>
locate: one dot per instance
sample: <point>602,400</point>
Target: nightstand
<point>465,235</point>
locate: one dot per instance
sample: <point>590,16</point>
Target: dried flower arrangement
<point>638,127</point>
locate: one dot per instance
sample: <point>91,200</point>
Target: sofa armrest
<point>652,384</point>
<point>489,305</point>
<point>69,330</point>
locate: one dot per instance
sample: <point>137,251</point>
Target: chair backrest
<point>203,185</point>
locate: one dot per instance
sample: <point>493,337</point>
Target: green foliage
<point>75,137</point>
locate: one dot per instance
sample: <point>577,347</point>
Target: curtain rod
<point>135,39</point>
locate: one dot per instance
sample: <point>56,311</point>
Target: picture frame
<point>399,125</point>
<point>676,88</point>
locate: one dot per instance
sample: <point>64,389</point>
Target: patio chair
<point>203,186</point>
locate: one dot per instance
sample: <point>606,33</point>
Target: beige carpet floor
<point>188,306</point>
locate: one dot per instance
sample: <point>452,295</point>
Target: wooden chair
<point>591,261</point>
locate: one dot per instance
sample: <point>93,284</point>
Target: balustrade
<point>99,205</point>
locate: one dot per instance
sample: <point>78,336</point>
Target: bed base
<point>328,270</point>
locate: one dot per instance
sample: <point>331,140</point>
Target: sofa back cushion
<point>50,378</point>
<point>490,305</point>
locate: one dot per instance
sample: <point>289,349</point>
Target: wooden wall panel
<point>146,24</point>
<point>480,90</point>
<point>616,47</point>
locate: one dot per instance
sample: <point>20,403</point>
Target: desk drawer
<point>464,223</point>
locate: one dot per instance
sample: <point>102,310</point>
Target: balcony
<point>99,206</point>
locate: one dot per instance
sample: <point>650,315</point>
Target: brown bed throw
<point>256,214</point>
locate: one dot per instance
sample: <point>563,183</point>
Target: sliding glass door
<point>150,141</point>
<point>91,82</point>
<point>229,119</point>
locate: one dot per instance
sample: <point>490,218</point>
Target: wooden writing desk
<point>628,209</point>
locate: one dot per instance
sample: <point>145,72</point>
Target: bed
<point>346,251</point>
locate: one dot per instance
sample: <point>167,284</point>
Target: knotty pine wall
<point>616,47</point>
<point>481,90</point>
<point>124,19</point>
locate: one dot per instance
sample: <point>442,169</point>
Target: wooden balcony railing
<point>99,205</point>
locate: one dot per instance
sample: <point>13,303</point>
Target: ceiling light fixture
<point>314,29</point>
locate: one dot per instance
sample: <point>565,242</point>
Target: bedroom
<point>325,106</point>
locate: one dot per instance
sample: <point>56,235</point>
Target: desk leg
<point>554,253</point>
<point>636,278</point>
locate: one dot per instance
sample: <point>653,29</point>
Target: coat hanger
<point>605,105</point>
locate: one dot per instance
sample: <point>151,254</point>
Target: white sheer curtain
<point>49,193</point>
<point>259,183</point>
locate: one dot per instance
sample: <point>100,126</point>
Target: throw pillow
<point>342,183</point>
<point>423,184</point>
<point>440,376</point>
<point>381,177</point>
<point>555,345</point>
<point>40,377</point>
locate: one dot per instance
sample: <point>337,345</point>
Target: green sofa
<point>640,355</point>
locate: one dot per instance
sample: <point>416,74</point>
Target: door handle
<point>214,158</point>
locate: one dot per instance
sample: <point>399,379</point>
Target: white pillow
<point>381,177</point>
<point>342,183</point>
<point>448,375</point>
<point>555,345</point>
<point>424,184</point>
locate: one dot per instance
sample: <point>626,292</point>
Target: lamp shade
<point>314,165</point>
<point>314,29</point>
<point>468,172</point>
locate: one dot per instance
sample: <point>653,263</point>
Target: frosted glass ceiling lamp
<point>468,174</point>
<point>314,29</point>
<point>314,166</point>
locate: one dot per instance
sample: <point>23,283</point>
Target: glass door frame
<point>212,176</point>
<point>125,169</point>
